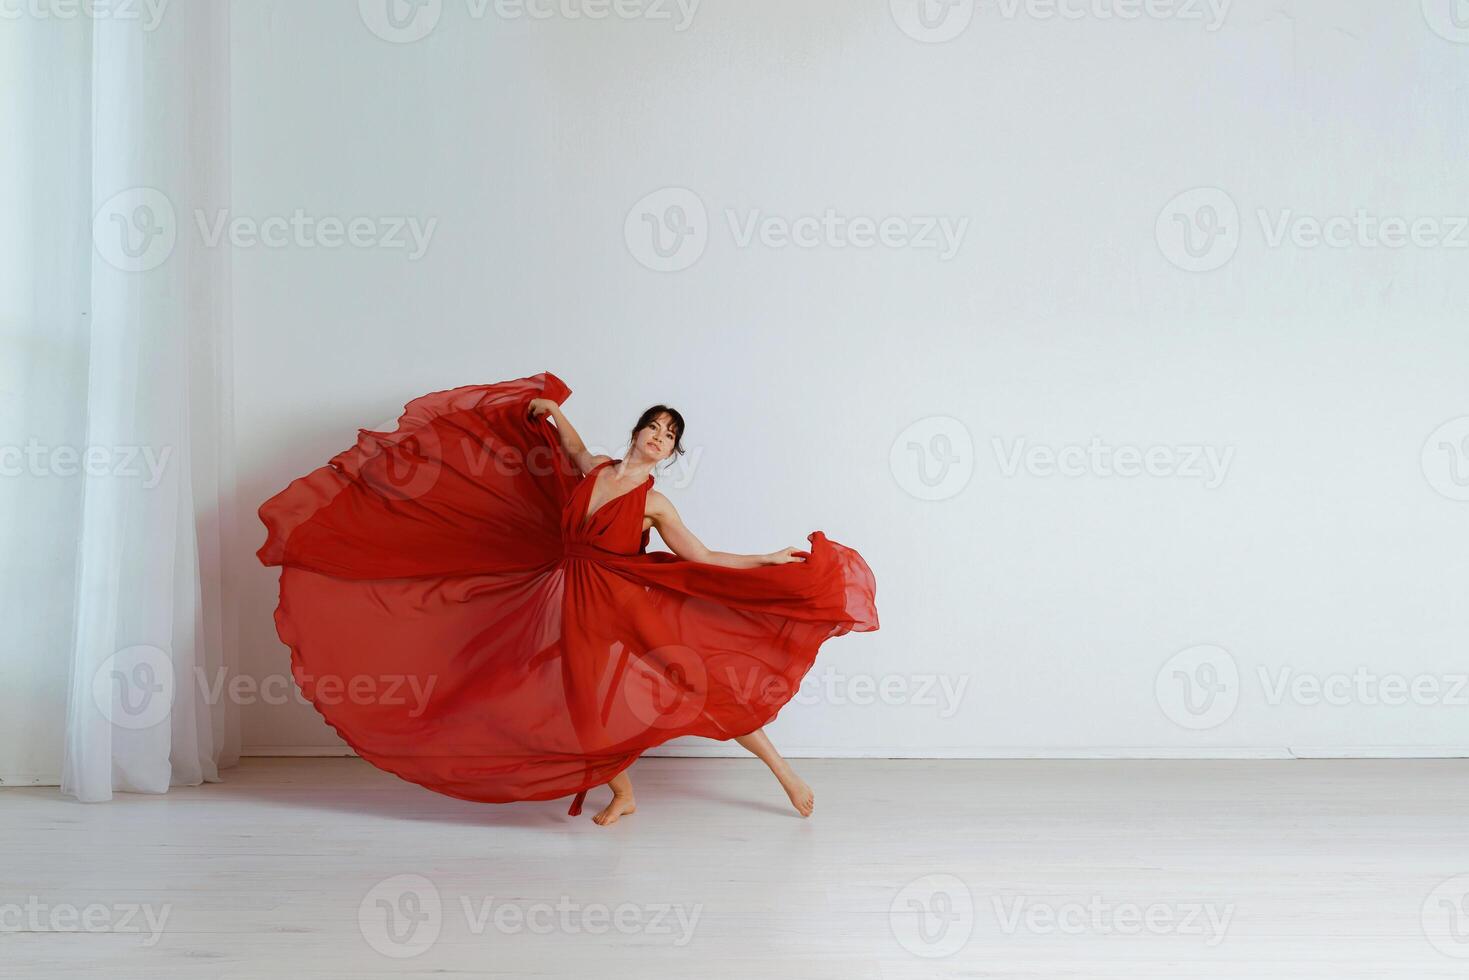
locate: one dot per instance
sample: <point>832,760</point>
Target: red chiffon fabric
<point>459,619</point>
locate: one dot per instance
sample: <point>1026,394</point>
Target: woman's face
<point>656,438</point>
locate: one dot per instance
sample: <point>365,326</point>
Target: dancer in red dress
<point>470,603</point>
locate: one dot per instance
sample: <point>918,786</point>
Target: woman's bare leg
<point>801,796</point>
<point>622,801</point>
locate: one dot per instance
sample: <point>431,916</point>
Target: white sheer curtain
<point>116,440</point>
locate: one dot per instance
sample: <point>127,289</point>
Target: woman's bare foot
<point>802,798</point>
<point>758,743</point>
<point>622,803</point>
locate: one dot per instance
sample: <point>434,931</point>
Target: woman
<point>470,603</point>
<point>658,436</point>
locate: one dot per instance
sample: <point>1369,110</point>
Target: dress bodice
<point>617,524</point>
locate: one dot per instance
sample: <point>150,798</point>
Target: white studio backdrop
<point>1125,341</point>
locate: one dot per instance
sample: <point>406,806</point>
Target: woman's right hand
<point>539,407</point>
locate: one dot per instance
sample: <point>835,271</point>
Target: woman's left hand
<point>785,556</point>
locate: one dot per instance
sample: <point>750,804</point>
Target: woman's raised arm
<point>566,432</point>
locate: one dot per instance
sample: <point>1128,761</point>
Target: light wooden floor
<point>291,868</point>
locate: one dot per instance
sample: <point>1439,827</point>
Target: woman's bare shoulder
<point>587,462</point>
<point>659,507</point>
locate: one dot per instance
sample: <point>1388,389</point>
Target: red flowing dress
<point>457,616</point>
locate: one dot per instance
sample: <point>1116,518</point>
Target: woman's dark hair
<point>646,419</point>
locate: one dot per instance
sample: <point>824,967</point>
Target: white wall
<point>1331,541</point>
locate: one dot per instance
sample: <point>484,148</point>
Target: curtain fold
<point>136,530</point>
<point>45,241</point>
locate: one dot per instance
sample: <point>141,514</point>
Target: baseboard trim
<point>723,749</point>
<point>719,750</point>
<point>313,751</point>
